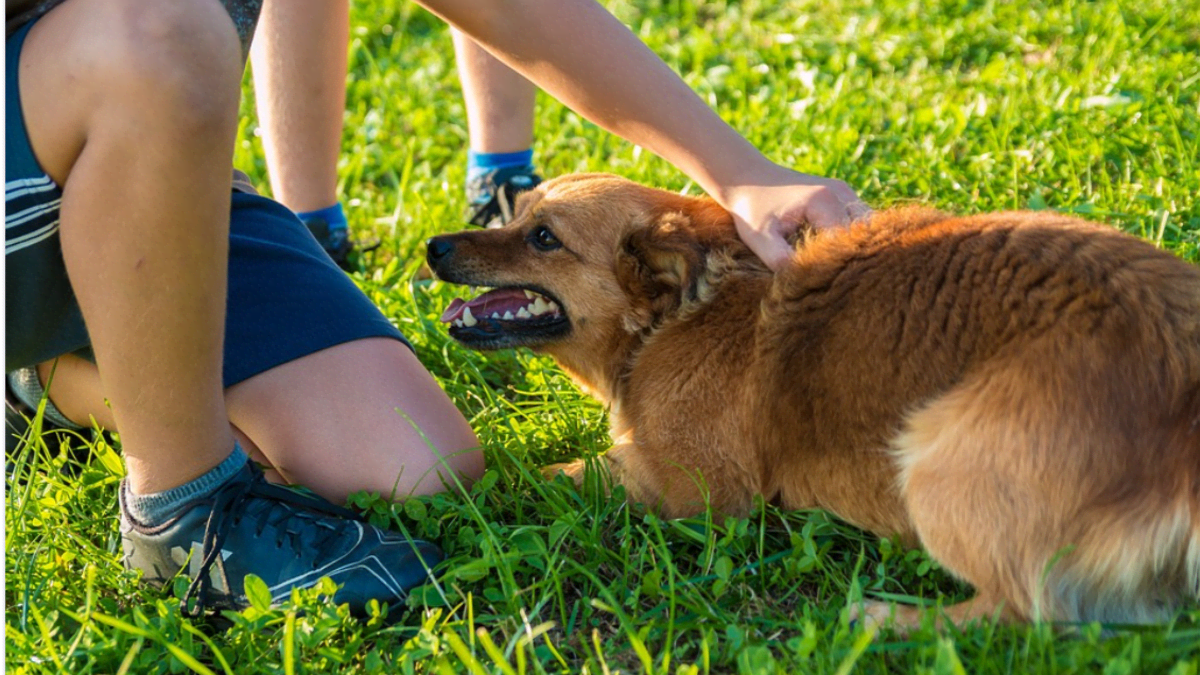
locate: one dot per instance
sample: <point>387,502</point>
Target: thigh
<point>42,318</point>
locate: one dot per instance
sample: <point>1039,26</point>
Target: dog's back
<point>1021,392</point>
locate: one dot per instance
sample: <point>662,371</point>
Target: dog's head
<point>588,261</point>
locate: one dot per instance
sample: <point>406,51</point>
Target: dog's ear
<point>661,268</point>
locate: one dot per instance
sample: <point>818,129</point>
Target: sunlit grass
<point>1086,107</point>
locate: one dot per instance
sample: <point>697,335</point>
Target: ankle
<point>334,216</point>
<point>156,508</point>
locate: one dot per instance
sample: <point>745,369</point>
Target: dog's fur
<point>1017,392</point>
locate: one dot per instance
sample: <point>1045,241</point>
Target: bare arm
<point>584,57</point>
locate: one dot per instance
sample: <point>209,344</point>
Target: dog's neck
<point>605,380</point>
<point>608,380</point>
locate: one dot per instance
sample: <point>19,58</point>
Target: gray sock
<point>157,508</point>
<point>25,385</point>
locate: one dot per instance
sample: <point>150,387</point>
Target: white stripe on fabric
<point>11,185</point>
<point>27,186</point>
<point>23,216</point>
<point>26,240</point>
<point>11,196</point>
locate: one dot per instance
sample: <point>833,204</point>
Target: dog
<point>1017,392</point>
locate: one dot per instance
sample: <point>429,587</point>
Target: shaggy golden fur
<point>1017,392</point>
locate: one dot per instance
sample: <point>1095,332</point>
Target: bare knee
<point>163,72</point>
<point>363,415</point>
<point>181,55</point>
<point>177,60</point>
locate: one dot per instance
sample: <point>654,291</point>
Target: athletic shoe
<point>491,196</point>
<point>18,418</point>
<point>288,538</point>
<point>337,242</point>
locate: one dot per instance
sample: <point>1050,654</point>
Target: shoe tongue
<point>498,301</point>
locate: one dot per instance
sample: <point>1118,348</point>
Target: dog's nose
<point>437,248</point>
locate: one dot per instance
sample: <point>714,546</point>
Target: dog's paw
<point>878,616</point>
<point>572,470</point>
<point>869,615</point>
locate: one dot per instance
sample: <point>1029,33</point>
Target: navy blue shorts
<point>286,297</point>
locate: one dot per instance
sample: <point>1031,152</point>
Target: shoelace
<point>229,506</point>
<point>502,196</point>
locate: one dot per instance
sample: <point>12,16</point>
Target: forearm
<point>584,57</point>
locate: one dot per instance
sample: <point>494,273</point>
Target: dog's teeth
<point>538,306</point>
<point>551,306</point>
<point>508,316</point>
<point>467,319</point>
<point>523,313</point>
<point>528,293</point>
<point>458,323</point>
<point>495,315</point>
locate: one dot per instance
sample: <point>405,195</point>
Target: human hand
<point>767,211</point>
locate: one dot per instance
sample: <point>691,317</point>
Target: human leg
<point>117,146</point>
<point>145,247</point>
<point>499,100</point>
<point>320,386</point>
<point>299,63</point>
<point>500,106</point>
<point>363,415</point>
<point>298,59</point>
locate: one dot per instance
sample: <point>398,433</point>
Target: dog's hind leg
<point>905,618</point>
<point>991,476</point>
<point>1038,497</point>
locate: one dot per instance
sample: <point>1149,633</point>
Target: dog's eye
<point>543,239</point>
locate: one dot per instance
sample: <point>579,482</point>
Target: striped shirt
<point>30,212</point>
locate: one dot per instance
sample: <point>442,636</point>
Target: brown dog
<point>1017,392</point>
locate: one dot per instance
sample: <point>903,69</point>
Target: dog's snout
<point>437,249</point>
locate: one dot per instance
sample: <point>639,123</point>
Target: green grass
<point>1087,107</point>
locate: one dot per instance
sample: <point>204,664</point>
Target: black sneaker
<point>337,243</point>
<point>18,418</point>
<point>287,537</point>
<point>490,197</point>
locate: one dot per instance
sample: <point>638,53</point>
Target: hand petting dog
<point>768,212</point>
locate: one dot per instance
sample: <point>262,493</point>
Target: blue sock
<point>328,225</point>
<point>157,508</point>
<point>479,163</point>
<point>333,216</point>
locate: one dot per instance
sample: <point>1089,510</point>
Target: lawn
<point>1085,107</point>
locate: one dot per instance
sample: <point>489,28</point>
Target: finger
<point>776,255</point>
<point>858,211</point>
<point>770,247</point>
<point>827,211</point>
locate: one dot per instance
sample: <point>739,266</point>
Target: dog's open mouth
<point>506,317</point>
